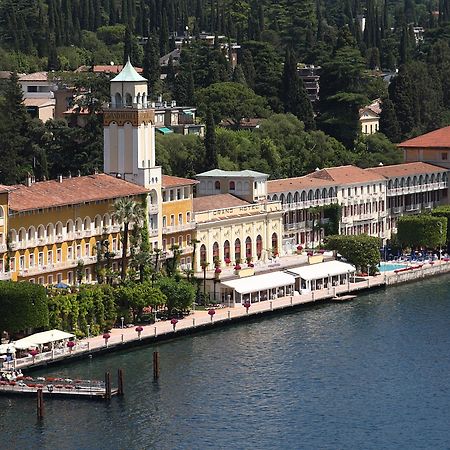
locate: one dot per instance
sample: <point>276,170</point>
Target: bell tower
<point>129,140</point>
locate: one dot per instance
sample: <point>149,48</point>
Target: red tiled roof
<point>48,194</point>
<point>170,181</point>
<point>435,139</point>
<point>346,175</point>
<point>413,168</point>
<point>219,201</point>
<point>297,183</point>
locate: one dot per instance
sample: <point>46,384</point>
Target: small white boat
<point>343,298</point>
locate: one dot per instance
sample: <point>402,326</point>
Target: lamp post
<point>88,330</point>
<point>440,239</point>
<point>121,320</point>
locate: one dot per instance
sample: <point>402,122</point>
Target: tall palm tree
<point>129,214</point>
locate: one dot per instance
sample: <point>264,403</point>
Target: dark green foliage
<point>362,251</point>
<point>210,142</point>
<point>180,294</point>
<point>388,120</point>
<point>443,211</point>
<point>22,306</point>
<point>422,231</point>
<point>151,66</point>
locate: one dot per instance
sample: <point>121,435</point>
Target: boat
<point>343,298</point>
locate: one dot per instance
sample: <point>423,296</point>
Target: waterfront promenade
<point>201,320</point>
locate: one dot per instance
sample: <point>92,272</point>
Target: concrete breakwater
<point>200,320</point>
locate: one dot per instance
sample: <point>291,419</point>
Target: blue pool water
<point>373,373</point>
<point>387,267</point>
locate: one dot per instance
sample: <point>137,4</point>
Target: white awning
<point>42,338</point>
<point>7,348</point>
<point>322,270</point>
<point>260,282</point>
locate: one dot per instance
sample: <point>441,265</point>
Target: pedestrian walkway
<point>202,319</point>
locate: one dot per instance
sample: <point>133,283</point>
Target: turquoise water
<point>373,373</point>
<point>387,267</point>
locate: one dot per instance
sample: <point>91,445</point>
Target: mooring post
<point>120,390</point>
<point>271,305</point>
<point>40,404</point>
<point>155,365</point>
<point>193,321</point>
<point>156,332</point>
<point>229,314</point>
<point>107,386</point>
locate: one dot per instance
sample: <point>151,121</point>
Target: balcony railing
<point>418,188</point>
<point>153,209</point>
<point>309,203</point>
<point>178,228</point>
<point>412,207</point>
<point>153,232</point>
<point>5,276</point>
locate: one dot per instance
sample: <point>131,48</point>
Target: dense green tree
<point>422,231</point>
<point>151,67</point>
<point>230,100</point>
<point>388,120</point>
<point>210,142</point>
<point>180,294</point>
<point>22,306</point>
<point>362,251</point>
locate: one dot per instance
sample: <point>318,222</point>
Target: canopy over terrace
<point>258,288</point>
<point>321,275</point>
<point>45,337</point>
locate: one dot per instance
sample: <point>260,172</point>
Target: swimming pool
<point>387,266</point>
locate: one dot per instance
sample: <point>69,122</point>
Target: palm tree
<point>130,214</point>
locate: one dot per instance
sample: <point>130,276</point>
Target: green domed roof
<point>129,74</point>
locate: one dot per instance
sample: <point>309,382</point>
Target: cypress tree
<point>164,35</point>
<point>238,75</point>
<point>184,85</point>
<point>248,67</point>
<point>388,120</point>
<point>127,45</point>
<point>210,142</point>
<point>151,64</point>
<point>52,60</point>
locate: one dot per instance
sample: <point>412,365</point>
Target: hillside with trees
<point>353,41</point>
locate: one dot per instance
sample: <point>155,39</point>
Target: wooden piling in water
<point>40,404</point>
<point>107,386</point>
<point>155,365</point>
<point>120,390</point>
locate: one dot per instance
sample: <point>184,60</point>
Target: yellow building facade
<point>178,226</point>
<point>49,231</point>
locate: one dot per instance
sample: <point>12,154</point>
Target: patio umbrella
<point>62,285</point>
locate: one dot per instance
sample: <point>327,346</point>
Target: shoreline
<point>200,321</point>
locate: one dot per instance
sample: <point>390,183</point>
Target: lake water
<point>370,374</point>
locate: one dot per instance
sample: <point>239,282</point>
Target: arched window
<point>118,98</point>
<point>2,213</point>
<point>106,220</point>
<point>203,253</point>
<point>248,247</point>
<point>128,100</point>
<point>59,229</point>
<point>331,193</point>
<point>215,252</point>
<point>41,232</point>
<point>50,230</point>
<point>78,225</point>
<point>317,195</point>
<point>69,226</point>
<point>217,186</point>
<point>310,195</point>
<point>275,198</point>
<point>31,235</point>
<point>275,243</point>
<point>408,181</point>
<point>259,246</point>
<point>226,249</point>
<point>138,99</point>
<point>22,235</point>
<point>289,198</point>
<point>438,178</point>
<point>282,199</point>
<point>98,223</point>
<point>303,196</point>
<point>296,197</point>
<point>87,224</point>
<point>324,193</point>
<point>237,249</point>
<point>232,186</point>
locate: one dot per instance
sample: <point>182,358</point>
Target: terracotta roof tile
<point>347,175</point>
<point>170,181</point>
<point>413,168</point>
<point>435,139</point>
<point>219,201</point>
<point>297,183</point>
<point>48,194</point>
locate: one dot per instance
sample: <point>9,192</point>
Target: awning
<point>42,338</point>
<point>322,270</point>
<point>165,130</point>
<point>260,282</point>
<point>7,348</point>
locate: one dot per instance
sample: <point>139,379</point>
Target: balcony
<point>3,248</point>
<point>5,276</point>
<point>178,228</point>
<point>397,209</point>
<point>309,203</point>
<point>153,232</point>
<point>153,209</point>
<point>418,188</point>
<point>114,228</point>
<point>412,208</point>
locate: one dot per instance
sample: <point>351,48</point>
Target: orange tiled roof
<point>435,139</point>
<point>297,183</point>
<point>48,194</point>
<point>413,168</point>
<point>170,181</point>
<point>347,175</point>
<point>219,201</point>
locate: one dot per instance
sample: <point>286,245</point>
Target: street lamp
<point>122,319</point>
<point>440,239</point>
<point>88,329</point>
